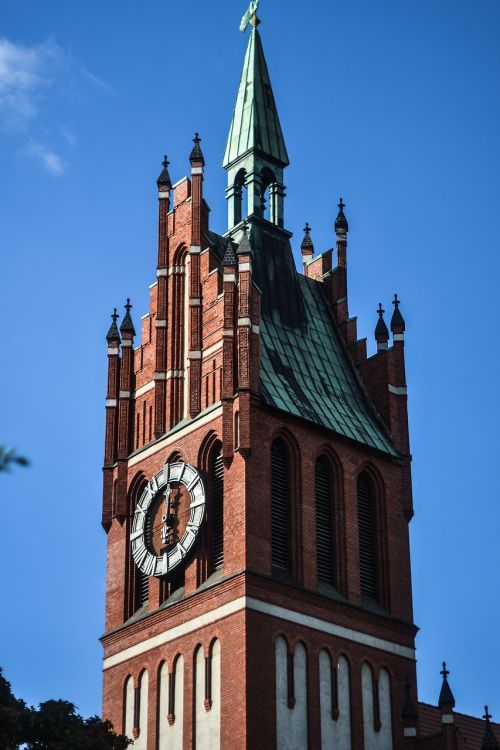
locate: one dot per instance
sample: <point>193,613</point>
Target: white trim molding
<point>111,402</point>
<point>399,390</point>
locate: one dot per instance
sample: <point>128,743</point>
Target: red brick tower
<point>257,488</point>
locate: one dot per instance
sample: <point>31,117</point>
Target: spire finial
<point>380,310</point>
<point>396,302</point>
<point>196,152</point>
<point>341,225</point>
<point>114,315</point>
<point>444,672</point>
<point>250,16</point>
<point>487,716</point>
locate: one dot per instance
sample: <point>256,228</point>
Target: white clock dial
<point>167,518</point>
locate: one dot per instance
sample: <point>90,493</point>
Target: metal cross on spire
<point>250,15</point>
<point>444,671</point>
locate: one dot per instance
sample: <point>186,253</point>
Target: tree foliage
<point>8,456</point>
<point>55,725</point>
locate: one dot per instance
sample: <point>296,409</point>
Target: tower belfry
<point>256,154</point>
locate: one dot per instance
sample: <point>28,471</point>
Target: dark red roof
<point>470,727</point>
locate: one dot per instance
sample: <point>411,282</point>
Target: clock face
<point>167,518</point>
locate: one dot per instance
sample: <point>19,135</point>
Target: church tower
<point>257,488</point>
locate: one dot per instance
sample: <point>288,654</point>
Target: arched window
<point>368,562</point>
<point>334,702</point>
<point>325,529</point>
<point>240,197</point>
<point>268,193</point>
<point>128,707</point>
<point>217,486</point>
<point>170,705</point>
<point>137,584</point>
<point>141,712</point>
<point>280,505</point>
<point>177,402</point>
<point>236,430</point>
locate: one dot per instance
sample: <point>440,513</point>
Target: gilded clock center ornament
<point>167,518</point>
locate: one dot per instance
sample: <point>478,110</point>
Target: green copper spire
<point>255,152</point>
<point>255,124</point>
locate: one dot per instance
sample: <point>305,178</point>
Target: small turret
<point>196,154</point>
<point>164,182</point>
<point>341,225</point>
<point>397,320</point>
<point>113,335</point>
<point>489,739</point>
<point>245,246</point>
<point>446,700</point>
<point>127,327</point>
<point>229,255</point>
<point>381,330</point>
<point>307,247</point>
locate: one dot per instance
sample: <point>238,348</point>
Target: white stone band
<point>399,337</point>
<point>196,170</point>
<point>111,402</point>
<point>229,277</point>
<point>249,603</point>
<point>195,249</point>
<point>164,194</point>
<point>113,350</point>
<point>244,322</point>
<point>245,267</point>
<point>124,394</point>
<point>195,301</point>
<point>161,323</point>
<point>161,272</point>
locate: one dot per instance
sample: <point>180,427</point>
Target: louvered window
<point>324,521</point>
<point>367,537</point>
<point>143,587</point>
<point>280,505</point>
<point>218,513</point>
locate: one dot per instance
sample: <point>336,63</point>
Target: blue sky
<point>395,106</point>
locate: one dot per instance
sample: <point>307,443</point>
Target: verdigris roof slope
<point>305,370</point>
<point>255,124</point>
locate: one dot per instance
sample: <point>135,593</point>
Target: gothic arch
<point>135,585</point>
<point>240,198</point>
<point>286,502</point>
<point>206,450</point>
<point>373,480</point>
<point>337,518</point>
